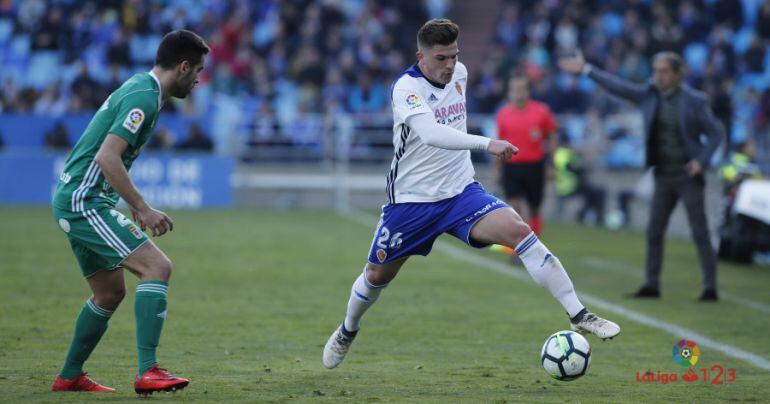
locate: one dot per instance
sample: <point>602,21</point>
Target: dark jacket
<point>702,132</point>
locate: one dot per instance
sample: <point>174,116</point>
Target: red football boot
<point>80,383</point>
<point>157,379</point>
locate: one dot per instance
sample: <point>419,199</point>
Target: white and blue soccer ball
<point>566,355</point>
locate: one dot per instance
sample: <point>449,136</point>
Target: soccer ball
<point>566,355</point>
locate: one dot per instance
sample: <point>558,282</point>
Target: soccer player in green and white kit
<point>103,240</point>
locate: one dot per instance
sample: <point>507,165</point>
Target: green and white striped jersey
<point>130,112</point>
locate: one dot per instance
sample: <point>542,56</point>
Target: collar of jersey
<point>416,68</point>
<point>160,89</point>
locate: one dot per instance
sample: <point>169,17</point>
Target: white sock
<point>362,295</point>
<point>548,272</point>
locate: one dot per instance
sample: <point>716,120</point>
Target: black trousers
<point>669,190</point>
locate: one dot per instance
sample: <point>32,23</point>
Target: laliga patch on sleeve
<point>134,120</point>
<point>413,101</point>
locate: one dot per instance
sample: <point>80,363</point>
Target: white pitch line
<point>627,269</point>
<point>496,266</point>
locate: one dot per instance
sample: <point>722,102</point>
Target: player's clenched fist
<point>502,149</point>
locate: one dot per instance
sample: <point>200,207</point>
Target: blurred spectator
<point>728,11</point>
<point>762,25</point>
<point>161,139</point>
<point>719,93</point>
<point>8,95</point>
<point>49,34</point>
<point>692,22</point>
<point>30,14</point>
<point>762,126</point>
<point>634,67</point>
<point>57,138</point>
<point>754,58</point>
<point>51,102</point>
<point>509,30</point>
<point>367,96</point>
<point>86,92</point>
<point>666,34</point>
<point>78,34</point>
<point>196,140</point>
<point>569,98</point>
<point>722,54</point>
<point>115,79</point>
<point>118,53</point>
<point>265,126</point>
<point>335,91</point>
<point>223,81</point>
<point>571,180</point>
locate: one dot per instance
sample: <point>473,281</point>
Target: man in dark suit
<point>681,135</point>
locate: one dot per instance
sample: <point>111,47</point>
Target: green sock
<point>150,311</point>
<point>89,328</point>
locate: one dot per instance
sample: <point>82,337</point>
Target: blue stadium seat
<point>41,64</point>
<point>624,153</point>
<point>696,55</point>
<point>612,24</point>
<point>19,48</point>
<point>742,40</point>
<point>143,48</point>
<point>6,29</point>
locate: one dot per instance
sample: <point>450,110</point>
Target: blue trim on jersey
<point>390,186</point>
<point>413,71</point>
<point>433,83</point>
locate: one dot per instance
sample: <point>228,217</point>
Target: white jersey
<point>419,172</point>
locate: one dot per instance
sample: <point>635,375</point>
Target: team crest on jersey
<point>381,255</point>
<point>413,101</point>
<point>134,120</point>
<point>135,232</point>
<point>458,88</point>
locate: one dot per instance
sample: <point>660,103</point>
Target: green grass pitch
<point>255,294</point>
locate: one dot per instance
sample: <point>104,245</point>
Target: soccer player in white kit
<point>431,190</point>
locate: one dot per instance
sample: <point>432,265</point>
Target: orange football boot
<point>80,383</point>
<point>157,379</point>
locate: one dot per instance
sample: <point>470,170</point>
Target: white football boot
<point>591,323</point>
<point>337,347</point>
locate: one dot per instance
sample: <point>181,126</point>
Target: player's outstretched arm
<point>111,163</point>
<point>443,136</point>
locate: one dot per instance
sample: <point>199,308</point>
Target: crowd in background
<point>316,56</point>
<point>280,58</point>
<point>724,42</point>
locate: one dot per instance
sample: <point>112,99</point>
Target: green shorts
<point>100,236</point>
